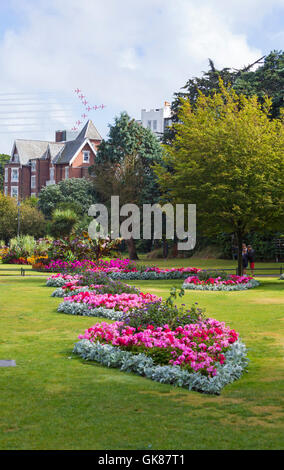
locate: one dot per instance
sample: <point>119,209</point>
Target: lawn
<point>55,400</point>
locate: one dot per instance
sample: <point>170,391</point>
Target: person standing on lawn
<point>245,258</point>
<point>251,254</point>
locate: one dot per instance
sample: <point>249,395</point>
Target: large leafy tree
<point>3,160</point>
<point>8,218</point>
<point>266,80</point>
<point>124,166</point>
<point>227,158</point>
<point>77,192</point>
<point>264,77</point>
<point>31,220</point>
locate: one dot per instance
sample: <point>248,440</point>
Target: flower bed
<point>122,302</point>
<point>111,287</point>
<point>203,356</point>
<point>58,280</point>
<point>93,304</point>
<point>10,258</point>
<point>151,337</point>
<point>60,265</point>
<point>73,308</point>
<point>232,283</point>
<point>73,290</point>
<point>120,269</point>
<point>152,273</point>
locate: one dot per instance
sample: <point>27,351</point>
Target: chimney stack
<point>60,136</point>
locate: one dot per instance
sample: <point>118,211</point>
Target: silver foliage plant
<point>148,275</point>
<point>74,308</point>
<point>56,282</point>
<point>112,356</point>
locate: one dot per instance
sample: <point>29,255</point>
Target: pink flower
<point>198,347</point>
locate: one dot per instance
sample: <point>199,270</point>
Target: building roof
<point>68,151</point>
<point>29,149</point>
<point>54,149</point>
<point>60,152</point>
<point>89,131</point>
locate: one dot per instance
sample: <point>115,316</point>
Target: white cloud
<point>127,55</point>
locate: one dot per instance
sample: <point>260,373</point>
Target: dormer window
<point>86,156</point>
<point>33,166</point>
<point>15,158</point>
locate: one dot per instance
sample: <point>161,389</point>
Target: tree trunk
<point>239,237</point>
<point>175,248</point>
<point>165,248</point>
<point>131,249</point>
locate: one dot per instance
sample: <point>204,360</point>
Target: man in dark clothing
<point>251,254</point>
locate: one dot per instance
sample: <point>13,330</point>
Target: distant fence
<point>279,248</point>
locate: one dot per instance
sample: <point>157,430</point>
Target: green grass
<point>54,400</point>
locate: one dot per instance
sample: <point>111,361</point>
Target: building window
<point>33,165</point>
<point>51,174</point>
<point>33,181</point>
<point>6,190</point>
<point>6,175</point>
<point>15,175</point>
<point>86,156</point>
<point>14,191</point>
<point>15,158</point>
<point>149,124</point>
<point>66,172</point>
<point>154,125</point>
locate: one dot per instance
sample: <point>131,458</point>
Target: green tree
<point>76,191</point>
<point>31,201</point>
<point>265,80</point>
<point>63,222</point>
<point>32,221</point>
<point>3,160</point>
<point>124,166</point>
<point>227,158</point>
<point>8,217</point>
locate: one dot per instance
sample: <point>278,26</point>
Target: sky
<point>125,55</point>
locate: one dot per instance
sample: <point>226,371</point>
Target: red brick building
<point>35,163</point>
